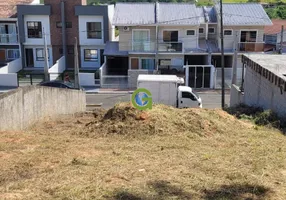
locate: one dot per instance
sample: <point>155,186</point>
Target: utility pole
<point>76,68</point>
<point>234,68</point>
<point>222,58</point>
<point>46,58</point>
<point>281,40</point>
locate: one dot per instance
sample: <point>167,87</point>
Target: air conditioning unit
<point>126,28</point>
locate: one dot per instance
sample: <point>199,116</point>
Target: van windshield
<point>195,94</point>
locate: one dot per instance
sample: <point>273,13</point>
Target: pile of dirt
<point>126,120</point>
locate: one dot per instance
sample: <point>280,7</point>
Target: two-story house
<point>164,37</point>
<point>9,43</point>
<point>58,24</point>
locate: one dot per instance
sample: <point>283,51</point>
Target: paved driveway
<point>211,99</point>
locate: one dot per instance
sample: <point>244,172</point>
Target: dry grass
<point>124,154</point>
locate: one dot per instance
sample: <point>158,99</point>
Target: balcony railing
<point>8,38</point>
<point>251,46</point>
<point>175,47</point>
<point>142,46</point>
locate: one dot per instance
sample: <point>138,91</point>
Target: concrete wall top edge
<point>26,89</point>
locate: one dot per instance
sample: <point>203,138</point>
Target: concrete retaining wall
<point>133,76</point>
<point>236,96</point>
<point>258,91</point>
<point>25,106</point>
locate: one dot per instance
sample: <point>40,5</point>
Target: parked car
<point>59,84</point>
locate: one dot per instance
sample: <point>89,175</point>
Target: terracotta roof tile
<point>8,8</point>
<point>276,27</point>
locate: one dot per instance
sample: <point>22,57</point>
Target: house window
<point>170,36</point>
<point>94,30</point>
<point>211,30</point>
<point>90,55</point>
<point>68,25</point>
<point>34,29</point>
<point>191,32</point>
<point>165,62</point>
<point>201,30</point>
<point>227,32</point>
<point>8,33</point>
<point>40,56</point>
<point>13,54</point>
<point>140,40</point>
<point>147,63</point>
<point>248,36</point>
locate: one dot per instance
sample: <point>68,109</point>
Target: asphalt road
<point>211,99</point>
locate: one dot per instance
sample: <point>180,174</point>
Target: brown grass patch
<point>161,154</point>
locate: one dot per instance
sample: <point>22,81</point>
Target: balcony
<point>251,47</point>
<point>175,47</point>
<point>8,39</point>
<point>142,46</point>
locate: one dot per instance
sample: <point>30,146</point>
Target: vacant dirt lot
<point>125,154</point>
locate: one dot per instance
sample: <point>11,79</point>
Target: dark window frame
<point>194,32</point>
<point>211,28</point>
<point>173,36</point>
<point>92,32</point>
<point>90,59</point>
<point>228,30</point>
<point>34,29</point>
<point>202,31</point>
<point>41,58</point>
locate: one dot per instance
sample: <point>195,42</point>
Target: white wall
<point>90,64</point>
<point>189,41</point>
<point>259,91</point>
<point>83,40</point>
<point>86,79</point>
<point>110,18</point>
<point>45,19</point>
<point>229,39</point>
<point>59,66</point>
<point>40,63</point>
<point>9,80</point>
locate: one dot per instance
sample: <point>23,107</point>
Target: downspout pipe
<point>63,21</point>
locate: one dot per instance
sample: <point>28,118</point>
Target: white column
<point>187,75</point>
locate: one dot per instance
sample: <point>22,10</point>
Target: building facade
<point>60,24</point>
<point>164,37</point>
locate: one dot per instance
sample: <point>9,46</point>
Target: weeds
<point>259,116</point>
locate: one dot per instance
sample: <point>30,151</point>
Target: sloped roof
<point>177,14</point>
<point>276,27</point>
<point>152,13</point>
<point>241,14</point>
<point>8,8</point>
<point>134,14</point>
<point>201,14</point>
